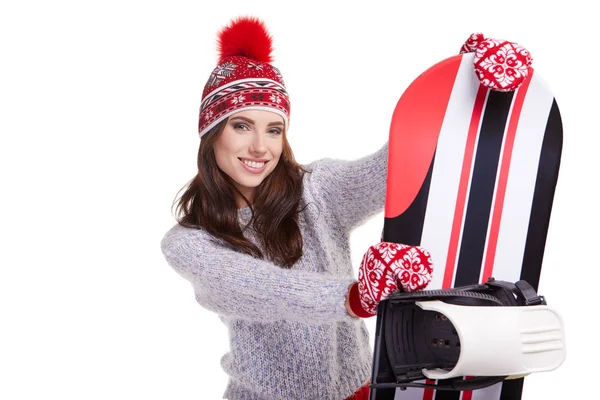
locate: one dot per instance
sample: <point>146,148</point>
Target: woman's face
<point>249,148</point>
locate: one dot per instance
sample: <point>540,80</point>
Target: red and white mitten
<point>386,267</point>
<point>472,42</point>
<point>499,64</point>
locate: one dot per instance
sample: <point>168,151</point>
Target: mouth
<point>253,166</point>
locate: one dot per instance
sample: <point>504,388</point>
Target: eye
<point>275,131</point>
<point>240,126</point>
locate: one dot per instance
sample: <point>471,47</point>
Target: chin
<point>249,183</point>
<point>253,184</point>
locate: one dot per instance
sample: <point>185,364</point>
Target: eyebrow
<point>252,122</point>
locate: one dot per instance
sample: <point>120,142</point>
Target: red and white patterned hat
<point>244,77</point>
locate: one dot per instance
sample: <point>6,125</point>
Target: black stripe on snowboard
<point>512,389</point>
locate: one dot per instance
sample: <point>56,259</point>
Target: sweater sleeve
<point>235,284</point>
<point>355,190</point>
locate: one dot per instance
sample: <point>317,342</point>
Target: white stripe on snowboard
<point>488,393</point>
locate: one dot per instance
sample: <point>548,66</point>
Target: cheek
<point>224,148</point>
<point>277,149</point>
<point>219,151</point>
<point>223,157</point>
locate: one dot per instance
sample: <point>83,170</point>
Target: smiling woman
<point>264,241</point>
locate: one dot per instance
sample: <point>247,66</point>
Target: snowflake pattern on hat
<point>220,73</point>
<point>278,74</point>
<point>255,65</point>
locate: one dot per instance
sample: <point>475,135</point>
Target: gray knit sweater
<point>289,333</point>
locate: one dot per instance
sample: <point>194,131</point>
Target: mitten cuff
<point>354,302</point>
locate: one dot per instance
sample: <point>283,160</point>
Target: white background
<point>98,115</point>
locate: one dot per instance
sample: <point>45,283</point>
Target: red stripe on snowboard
<point>503,177</point>
<point>467,394</point>
<point>414,131</point>
<point>428,394</point>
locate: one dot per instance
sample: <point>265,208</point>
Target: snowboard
<point>471,178</point>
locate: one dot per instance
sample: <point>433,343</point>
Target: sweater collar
<point>244,214</point>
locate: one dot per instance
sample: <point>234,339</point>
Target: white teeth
<point>253,164</point>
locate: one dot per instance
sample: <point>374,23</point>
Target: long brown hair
<point>209,202</point>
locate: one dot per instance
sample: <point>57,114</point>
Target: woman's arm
<point>231,283</point>
<point>354,190</point>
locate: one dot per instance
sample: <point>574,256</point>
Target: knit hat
<point>244,77</point>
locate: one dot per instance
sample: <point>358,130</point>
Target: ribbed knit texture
<point>289,333</point>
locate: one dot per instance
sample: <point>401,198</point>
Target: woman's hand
<point>386,267</point>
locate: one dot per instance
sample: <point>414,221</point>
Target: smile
<point>253,166</point>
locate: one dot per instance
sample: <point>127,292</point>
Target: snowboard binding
<point>470,337</point>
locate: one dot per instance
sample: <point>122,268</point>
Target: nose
<point>258,144</point>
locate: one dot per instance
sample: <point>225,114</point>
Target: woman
<point>264,241</point>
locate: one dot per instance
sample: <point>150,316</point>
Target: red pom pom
<point>247,37</point>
